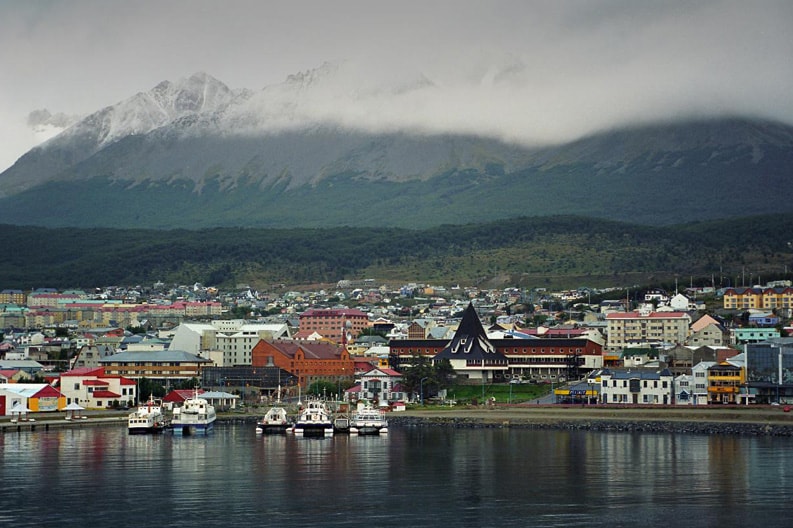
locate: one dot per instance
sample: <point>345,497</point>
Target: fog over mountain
<point>526,72</point>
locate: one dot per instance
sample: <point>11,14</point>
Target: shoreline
<point>754,421</point>
<point>709,420</point>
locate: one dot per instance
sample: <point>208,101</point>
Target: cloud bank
<point>527,71</point>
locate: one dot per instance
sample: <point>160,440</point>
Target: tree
<point>435,376</point>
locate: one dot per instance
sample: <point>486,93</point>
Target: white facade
<point>636,386</point>
<point>699,372</point>
<point>234,339</point>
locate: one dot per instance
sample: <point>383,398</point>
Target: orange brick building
<point>309,361</point>
<point>330,323</point>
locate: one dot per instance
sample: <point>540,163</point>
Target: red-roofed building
<point>13,376</point>
<point>309,361</point>
<point>178,396</point>
<point>93,389</point>
<point>381,385</point>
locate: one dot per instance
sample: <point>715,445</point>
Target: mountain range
<point>195,153</point>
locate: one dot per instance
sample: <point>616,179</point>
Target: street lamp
<point>421,387</point>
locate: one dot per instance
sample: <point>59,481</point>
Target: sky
<point>529,71</point>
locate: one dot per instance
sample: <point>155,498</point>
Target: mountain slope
<point>562,251</point>
<point>197,154</point>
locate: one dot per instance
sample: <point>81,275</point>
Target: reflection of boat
<point>314,420</point>
<point>274,422</point>
<point>147,418</point>
<point>368,421</point>
<point>195,416</point>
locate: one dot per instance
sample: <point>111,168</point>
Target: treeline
<point>562,245</point>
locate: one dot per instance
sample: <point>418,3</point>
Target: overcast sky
<point>573,66</point>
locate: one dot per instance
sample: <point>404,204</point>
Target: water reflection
<point>417,476</point>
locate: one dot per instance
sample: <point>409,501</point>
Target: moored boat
<point>275,421</point>
<point>368,421</point>
<point>195,416</point>
<point>148,418</point>
<point>314,420</point>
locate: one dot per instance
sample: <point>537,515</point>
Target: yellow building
<point>724,383</point>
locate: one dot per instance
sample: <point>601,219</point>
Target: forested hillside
<point>563,251</point>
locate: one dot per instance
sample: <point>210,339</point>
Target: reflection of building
<point>769,368</point>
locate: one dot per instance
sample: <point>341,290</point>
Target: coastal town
<point>368,341</point>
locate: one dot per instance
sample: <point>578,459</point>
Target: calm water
<point>415,477</point>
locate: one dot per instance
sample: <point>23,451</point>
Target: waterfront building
<point>381,385</point>
<point>769,370</point>
<point>636,386</point>
<point>724,383</point>
<point>33,397</point>
<point>94,388</point>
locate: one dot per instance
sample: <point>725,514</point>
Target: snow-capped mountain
<point>331,146</point>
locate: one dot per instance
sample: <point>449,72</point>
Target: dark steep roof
<point>470,341</point>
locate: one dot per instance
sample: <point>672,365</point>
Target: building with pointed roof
<point>470,352</point>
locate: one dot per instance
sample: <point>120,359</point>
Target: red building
<point>307,360</point>
<point>332,323</point>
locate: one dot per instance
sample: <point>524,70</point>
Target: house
<point>699,374</point>
<point>37,397</point>
<point>381,385</point>
<point>94,388</point>
<point>636,386</point>
<point>13,376</point>
<point>684,389</point>
<point>713,334</point>
<point>89,356</point>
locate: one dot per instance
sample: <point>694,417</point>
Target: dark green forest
<point>561,251</point>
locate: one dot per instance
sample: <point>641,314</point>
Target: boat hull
<point>270,429</point>
<point>314,429</point>
<point>369,429</point>
<point>192,429</point>
<point>155,429</point>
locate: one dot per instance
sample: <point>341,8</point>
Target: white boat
<point>147,418</point>
<point>368,421</point>
<point>195,416</point>
<point>314,420</point>
<point>275,421</point>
